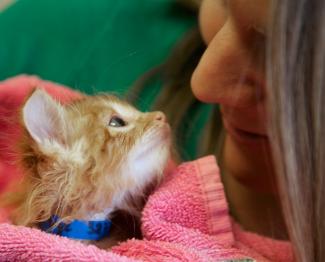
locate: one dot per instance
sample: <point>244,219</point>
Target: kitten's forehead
<point>107,103</point>
<point>124,109</point>
<point>117,105</point>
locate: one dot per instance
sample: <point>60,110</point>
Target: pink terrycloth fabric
<point>186,219</point>
<point>190,210</point>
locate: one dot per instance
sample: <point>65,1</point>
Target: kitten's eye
<point>116,122</point>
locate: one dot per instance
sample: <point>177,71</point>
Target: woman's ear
<point>43,118</point>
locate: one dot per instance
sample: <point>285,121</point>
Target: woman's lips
<point>243,136</point>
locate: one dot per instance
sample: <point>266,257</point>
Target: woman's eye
<point>116,122</point>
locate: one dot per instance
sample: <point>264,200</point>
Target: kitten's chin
<point>154,140</point>
<point>147,160</point>
<point>152,159</point>
<point>152,148</point>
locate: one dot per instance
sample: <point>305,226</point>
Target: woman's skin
<point>231,73</point>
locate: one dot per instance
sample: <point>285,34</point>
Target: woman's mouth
<point>243,136</point>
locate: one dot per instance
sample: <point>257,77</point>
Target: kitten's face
<point>87,157</point>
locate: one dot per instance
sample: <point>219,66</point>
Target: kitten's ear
<point>43,117</point>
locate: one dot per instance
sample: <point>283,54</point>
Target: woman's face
<point>231,71</point>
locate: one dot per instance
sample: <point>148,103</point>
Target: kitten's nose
<point>160,116</point>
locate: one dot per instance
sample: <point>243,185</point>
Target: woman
<point>231,73</point>
<point>263,66</point>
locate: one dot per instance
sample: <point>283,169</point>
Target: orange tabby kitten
<point>88,159</point>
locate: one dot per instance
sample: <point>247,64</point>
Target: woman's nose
<point>226,73</point>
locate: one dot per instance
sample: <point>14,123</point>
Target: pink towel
<point>186,219</point>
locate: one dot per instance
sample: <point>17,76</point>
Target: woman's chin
<point>249,161</point>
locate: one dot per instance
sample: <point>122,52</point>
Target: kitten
<point>87,160</point>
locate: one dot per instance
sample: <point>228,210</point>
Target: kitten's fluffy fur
<point>78,166</point>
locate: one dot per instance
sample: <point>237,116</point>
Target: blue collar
<point>78,229</point>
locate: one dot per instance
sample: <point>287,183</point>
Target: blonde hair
<point>295,69</point>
